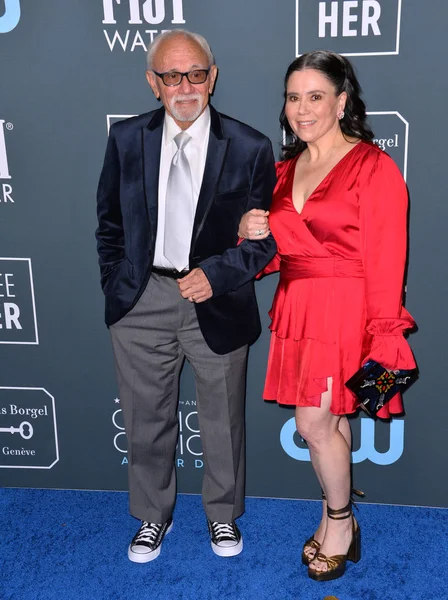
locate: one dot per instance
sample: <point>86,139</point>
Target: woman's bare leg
<point>330,457</point>
<point>344,428</point>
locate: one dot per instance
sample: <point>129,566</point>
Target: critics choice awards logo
<point>350,27</point>
<point>189,447</point>
<point>6,191</point>
<point>18,323</point>
<point>133,24</point>
<point>28,430</point>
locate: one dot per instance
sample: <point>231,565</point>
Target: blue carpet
<point>72,545</point>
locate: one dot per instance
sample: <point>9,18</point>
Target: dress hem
<point>341,414</point>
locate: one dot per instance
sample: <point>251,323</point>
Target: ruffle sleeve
<point>383,225</point>
<point>389,347</point>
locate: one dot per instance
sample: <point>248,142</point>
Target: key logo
<point>28,429</point>
<point>11,17</point>
<point>349,27</point>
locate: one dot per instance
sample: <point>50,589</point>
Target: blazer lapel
<point>151,148</point>
<point>216,152</point>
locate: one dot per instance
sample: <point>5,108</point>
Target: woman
<point>339,217</point>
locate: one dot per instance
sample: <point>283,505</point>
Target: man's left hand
<point>195,286</point>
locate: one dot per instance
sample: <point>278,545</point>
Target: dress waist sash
<point>308,267</point>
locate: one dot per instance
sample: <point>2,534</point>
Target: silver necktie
<point>179,207</point>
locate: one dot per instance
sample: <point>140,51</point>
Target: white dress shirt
<point>196,153</point>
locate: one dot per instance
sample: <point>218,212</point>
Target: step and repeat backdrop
<point>70,69</point>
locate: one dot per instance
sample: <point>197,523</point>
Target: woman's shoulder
<point>369,150</point>
<point>377,168</point>
<point>373,159</point>
<point>282,166</point>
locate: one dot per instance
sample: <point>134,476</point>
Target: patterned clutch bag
<point>375,386</point>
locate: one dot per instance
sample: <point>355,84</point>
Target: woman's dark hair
<point>340,73</point>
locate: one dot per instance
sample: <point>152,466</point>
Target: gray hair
<point>195,37</point>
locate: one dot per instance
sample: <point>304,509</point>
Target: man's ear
<point>151,79</point>
<point>212,78</point>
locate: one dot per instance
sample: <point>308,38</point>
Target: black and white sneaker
<point>225,537</point>
<point>148,540</point>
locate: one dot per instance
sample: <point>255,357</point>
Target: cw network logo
<point>349,27</point>
<point>366,451</point>
<point>11,17</point>
<point>136,12</point>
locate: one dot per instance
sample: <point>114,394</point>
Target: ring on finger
<point>259,232</point>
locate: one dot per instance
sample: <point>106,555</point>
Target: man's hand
<point>254,225</point>
<point>195,286</point>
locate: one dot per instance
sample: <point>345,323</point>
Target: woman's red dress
<point>339,297</point>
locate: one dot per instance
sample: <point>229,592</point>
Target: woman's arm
<point>383,227</point>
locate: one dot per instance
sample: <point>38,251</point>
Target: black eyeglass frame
<point>186,74</point>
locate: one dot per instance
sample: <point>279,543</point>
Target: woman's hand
<point>254,225</point>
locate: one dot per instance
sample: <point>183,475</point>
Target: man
<point>174,186</point>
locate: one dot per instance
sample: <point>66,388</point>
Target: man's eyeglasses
<point>171,78</point>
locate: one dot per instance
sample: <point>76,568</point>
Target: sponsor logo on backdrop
<point>6,191</point>
<point>189,447</point>
<point>11,17</point>
<point>18,322</point>
<point>111,119</point>
<point>133,24</point>
<point>28,429</point>
<point>120,443</point>
<point>392,135</point>
<point>296,448</point>
<point>349,27</point>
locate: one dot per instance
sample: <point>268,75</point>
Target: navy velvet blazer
<point>239,175</point>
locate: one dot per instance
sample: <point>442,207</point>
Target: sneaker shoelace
<point>148,533</point>
<point>223,531</point>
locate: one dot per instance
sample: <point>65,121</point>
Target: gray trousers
<point>150,345</point>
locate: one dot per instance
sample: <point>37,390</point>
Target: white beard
<point>186,114</point>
